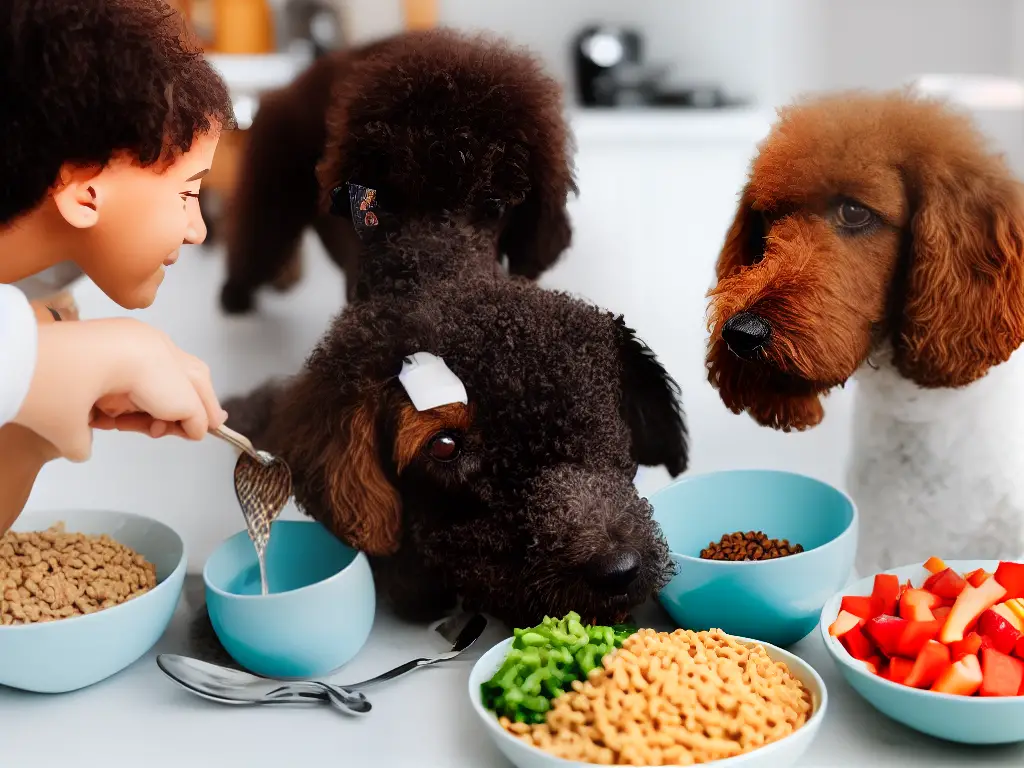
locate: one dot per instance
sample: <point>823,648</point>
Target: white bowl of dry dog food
<point>657,698</point>
<point>84,595</point>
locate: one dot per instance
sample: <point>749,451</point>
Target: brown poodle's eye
<point>445,446</point>
<point>852,215</point>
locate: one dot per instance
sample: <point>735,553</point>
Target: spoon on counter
<point>232,686</point>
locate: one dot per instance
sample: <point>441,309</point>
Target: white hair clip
<point>430,383</point>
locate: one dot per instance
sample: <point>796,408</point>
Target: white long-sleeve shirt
<point>19,337</point>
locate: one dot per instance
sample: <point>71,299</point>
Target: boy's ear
<point>650,405</point>
<point>77,195</point>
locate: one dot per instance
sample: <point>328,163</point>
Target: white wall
<point>768,49</point>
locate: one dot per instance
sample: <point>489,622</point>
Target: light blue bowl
<point>776,601</point>
<point>778,754</point>
<point>964,719</point>
<point>318,614</point>
<point>73,653</point>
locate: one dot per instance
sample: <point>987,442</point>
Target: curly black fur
<point>446,127</point>
<point>567,401</point>
<point>81,80</point>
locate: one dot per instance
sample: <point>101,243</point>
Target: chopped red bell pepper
<point>858,605</point>
<point>886,632</point>
<point>885,594</point>
<point>857,644</point>
<point>977,576</point>
<point>942,612</point>
<point>1007,611</point>
<point>844,622</point>
<point>1002,675</point>
<point>971,603</point>
<point>934,565</point>
<point>996,628</point>
<point>1011,576</point>
<point>971,645</point>
<point>899,669</point>
<point>962,678</point>
<point>875,665</point>
<point>931,662</point>
<point>915,635</point>
<point>947,584</point>
<point>1019,649</point>
<point>917,605</point>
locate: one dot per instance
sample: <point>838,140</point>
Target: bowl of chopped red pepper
<point>937,646</point>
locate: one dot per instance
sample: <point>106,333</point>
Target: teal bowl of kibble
<point>757,553</point>
<point>85,594</point>
<point>563,695</point>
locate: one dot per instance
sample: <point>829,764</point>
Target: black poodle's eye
<point>493,208</point>
<point>851,215</point>
<point>445,446</point>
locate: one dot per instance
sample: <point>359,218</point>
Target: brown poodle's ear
<point>650,405</point>
<point>744,242</point>
<point>538,230</point>
<point>338,474</point>
<point>963,302</point>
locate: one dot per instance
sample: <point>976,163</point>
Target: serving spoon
<point>263,485</point>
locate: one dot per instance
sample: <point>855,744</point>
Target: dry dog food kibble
<point>752,545</point>
<point>673,699</point>
<point>54,574</point>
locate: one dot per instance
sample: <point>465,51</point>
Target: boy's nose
<point>195,231</point>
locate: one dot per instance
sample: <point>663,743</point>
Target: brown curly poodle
<point>870,224</point>
<point>441,126</point>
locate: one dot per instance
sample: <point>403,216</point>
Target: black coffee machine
<point>606,58</point>
<point>611,72</point>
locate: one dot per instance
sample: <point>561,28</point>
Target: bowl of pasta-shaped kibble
<point>83,595</point>
<point>565,694</point>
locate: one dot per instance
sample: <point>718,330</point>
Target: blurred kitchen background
<point>667,100</point>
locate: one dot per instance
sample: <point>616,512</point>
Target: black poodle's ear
<point>650,405</point>
<point>538,229</point>
<point>538,232</point>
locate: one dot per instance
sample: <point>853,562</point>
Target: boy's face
<point>142,217</point>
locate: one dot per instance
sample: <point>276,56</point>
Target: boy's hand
<point>115,374</point>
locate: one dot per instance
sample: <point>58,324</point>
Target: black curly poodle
<point>443,126</point>
<point>521,502</point>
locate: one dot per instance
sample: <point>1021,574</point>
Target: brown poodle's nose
<point>613,572</point>
<point>745,334</point>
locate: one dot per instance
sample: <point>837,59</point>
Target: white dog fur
<point>937,471</point>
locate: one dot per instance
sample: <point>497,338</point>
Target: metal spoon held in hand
<point>263,485</point>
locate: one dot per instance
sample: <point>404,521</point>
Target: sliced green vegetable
<point>544,661</point>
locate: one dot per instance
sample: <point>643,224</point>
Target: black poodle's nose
<point>613,572</point>
<point>746,333</point>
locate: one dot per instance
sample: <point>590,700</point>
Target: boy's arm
<point>22,452</point>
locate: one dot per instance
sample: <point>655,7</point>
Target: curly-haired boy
<point>110,119</point>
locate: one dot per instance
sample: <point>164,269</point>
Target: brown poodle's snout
<point>746,334</point>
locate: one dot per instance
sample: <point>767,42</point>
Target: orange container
<point>420,14</point>
<point>243,27</point>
